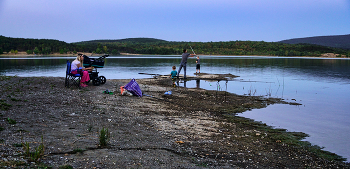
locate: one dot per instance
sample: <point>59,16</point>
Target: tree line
<point>162,47</point>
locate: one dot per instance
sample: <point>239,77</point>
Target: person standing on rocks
<point>183,63</point>
<point>198,66</point>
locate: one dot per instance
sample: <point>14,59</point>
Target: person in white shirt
<point>76,65</point>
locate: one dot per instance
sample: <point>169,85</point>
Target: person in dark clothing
<point>183,63</point>
<point>198,66</point>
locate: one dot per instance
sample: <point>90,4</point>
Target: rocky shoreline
<point>192,128</point>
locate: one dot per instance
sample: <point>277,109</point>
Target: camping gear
<point>133,88</point>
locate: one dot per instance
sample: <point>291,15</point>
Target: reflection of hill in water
<point>315,67</point>
<point>326,68</point>
<point>332,68</point>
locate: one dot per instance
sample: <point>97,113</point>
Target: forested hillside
<point>162,47</point>
<point>37,46</point>
<point>339,41</point>
<point>220,48</point>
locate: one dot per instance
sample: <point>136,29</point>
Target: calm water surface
<point>322,86</point>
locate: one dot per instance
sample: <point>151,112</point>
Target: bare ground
<point>192,128</point>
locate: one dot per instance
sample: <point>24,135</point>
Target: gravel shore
<point>192,128</point>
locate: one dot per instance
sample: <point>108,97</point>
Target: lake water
<point>322,86</point>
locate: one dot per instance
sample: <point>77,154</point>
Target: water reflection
<point>332,68</point>
<point>198,83</point>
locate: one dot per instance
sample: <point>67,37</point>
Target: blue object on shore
<point>168,93</point>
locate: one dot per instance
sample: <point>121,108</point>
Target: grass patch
<point>36,154</point>
<point>1,129</point>
<point>14,99</point>
<point>78,150</point>
<point>5,106</point>
<point>52,86</point>
<point>104,137</point>
<point>11,121</point>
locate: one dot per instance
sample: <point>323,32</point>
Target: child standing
<point>173,75</point>
<point>198,66</point>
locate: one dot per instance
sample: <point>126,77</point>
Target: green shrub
<point>36,154</point>
<point>29,52</point>
<point>104,136</point>
<point>4,106</point>
<point>11,121</point>
<point>78,150</point>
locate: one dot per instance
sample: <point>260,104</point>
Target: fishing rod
<point>192,49</point>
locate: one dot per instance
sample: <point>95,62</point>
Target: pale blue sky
<point>174,20</point>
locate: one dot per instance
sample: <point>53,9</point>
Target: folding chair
<point>72,79</point>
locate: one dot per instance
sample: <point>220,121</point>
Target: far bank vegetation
<point>162,47</point>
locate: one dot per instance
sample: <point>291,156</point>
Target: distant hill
<point>336,41</point>
<point>129,40</point>
<point>162,47</point>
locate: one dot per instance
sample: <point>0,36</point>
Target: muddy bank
<point>192,128</point>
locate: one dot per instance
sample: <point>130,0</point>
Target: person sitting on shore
<point>77,64</point>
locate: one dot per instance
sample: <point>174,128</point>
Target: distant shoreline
<point>24,54</point>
